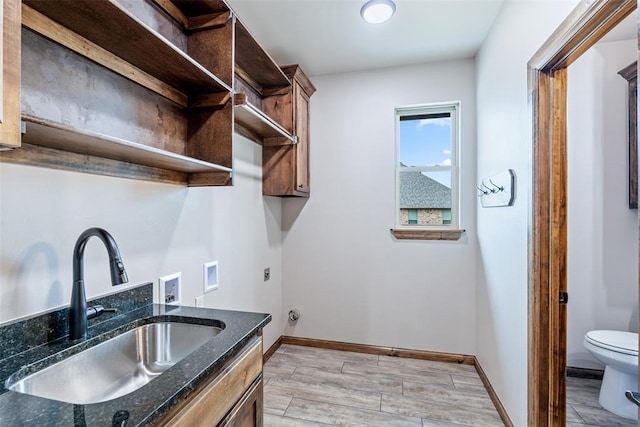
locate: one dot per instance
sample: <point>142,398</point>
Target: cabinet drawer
<point>213,400</point>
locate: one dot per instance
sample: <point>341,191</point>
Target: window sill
<point>401,233</point>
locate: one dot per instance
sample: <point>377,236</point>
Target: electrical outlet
<point>210,276</point>
<point>267,274</point>
<point>170,288</point>
<point>200,301</point>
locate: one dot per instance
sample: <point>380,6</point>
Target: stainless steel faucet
<point>78,320</point>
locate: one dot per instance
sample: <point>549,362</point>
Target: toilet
<point>619,352</point>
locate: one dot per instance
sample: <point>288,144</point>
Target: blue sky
<point>427,142</point>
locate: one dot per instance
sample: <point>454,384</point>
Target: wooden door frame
<point>547,85</point>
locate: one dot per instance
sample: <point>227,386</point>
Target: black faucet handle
<point>97,310</point>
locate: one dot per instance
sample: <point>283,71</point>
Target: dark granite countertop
<point>20,351</point>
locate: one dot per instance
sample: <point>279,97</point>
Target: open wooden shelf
<point>254,64</point>
<point>191,140</point>
<point>110,26</point>
<point>61,137</point>
<point>262,128</point>
<point>199,81</point>
<point>189,12</point>
<point>192,9</point>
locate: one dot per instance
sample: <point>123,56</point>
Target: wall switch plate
<point>200,301</point>
<point>170,289</point>
<point>210,280</point>
<point>267,274</point>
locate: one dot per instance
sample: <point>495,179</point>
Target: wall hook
<point>499,188</point>
<point>491,190</point>
<point>501,192</point>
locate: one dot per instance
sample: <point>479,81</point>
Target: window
<point>446,217</point>
<point>427,166</point>
<point>413,216</point>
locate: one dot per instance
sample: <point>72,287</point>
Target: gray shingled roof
<point>418,191</point>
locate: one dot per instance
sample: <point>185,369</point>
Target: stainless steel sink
<point>117,366</point>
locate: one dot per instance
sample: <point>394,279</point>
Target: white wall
<point>603,241</point>
<point>343,269</point>
<point>160,229</point>
<point>504,141</point>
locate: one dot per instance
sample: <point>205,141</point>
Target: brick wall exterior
<point>425,217</point>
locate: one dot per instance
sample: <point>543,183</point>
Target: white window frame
<point>452,107</point>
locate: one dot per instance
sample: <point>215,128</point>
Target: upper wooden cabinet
<point>10,74</point>
<point>285,168</point>
<point>272,109</point>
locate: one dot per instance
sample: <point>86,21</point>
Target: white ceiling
<point>328,36</point>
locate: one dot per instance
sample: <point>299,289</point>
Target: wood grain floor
<point>583,408</point>
<point>306,386</point>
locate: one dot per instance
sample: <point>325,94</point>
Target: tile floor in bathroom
<point>583,408</point>
<point>307,386</point>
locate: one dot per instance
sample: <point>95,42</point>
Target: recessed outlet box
<point>170,288</point>
<point>267,274</point>
<point>210,271</point>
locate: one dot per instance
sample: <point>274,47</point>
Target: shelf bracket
<point>211,100</point>
<point>206,22</point>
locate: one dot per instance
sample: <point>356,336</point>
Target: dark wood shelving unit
<point>110,26</point>
<point>257,77</point>
<point>192,13</point>
<point>59,146</point>
<point>194,85</point>
<point>10,74</point>
<point>66,138</point>
<point>254,65</point>
<point>198,80</point>
<point>257,126</point>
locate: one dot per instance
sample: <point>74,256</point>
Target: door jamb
<point>547,277</point>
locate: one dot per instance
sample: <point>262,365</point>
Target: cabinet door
<point>211,401</point>
<point>248,412</point>
<point>10,13</point>
<point>301,105</point>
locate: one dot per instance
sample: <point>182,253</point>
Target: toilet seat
<point>617,341</point>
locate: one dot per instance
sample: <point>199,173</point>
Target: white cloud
<point>443,121</point>
<point>446,152</point>
<point>445,162</point>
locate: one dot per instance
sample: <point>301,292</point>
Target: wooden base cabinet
<point>233,397</point>
<point>285,168</point>
<point>10,74</point>
<point>248,412</point>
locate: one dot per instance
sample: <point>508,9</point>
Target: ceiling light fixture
<point>378,11</point>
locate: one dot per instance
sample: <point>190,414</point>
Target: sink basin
<point>117,366</point>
